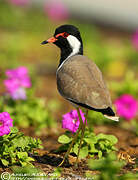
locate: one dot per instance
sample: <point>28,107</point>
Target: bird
<point>79,80</point>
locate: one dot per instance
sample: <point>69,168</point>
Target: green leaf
<point>13,160</point>
<point>22,155</point>
<point>64,139</point>
<point>30,159</point>
<point>96,164</point>
<point>114,148</point>
<point>28,169</point>
<point>102,145</point>
<point>91,139</point>
<point>83,152</point>
<point>75,148</point>
<point>101,136</point>
<point>100,154</point>
<point>111,138</point>
<point>20,142</point>
<point>5,162</point>
<point>62,148</point>
<point>23,163</point>
<point>14,130</point>
<point>93,149</point>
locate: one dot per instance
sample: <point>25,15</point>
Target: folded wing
<point>80,80</point>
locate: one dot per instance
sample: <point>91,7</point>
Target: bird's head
<point>66,37</point>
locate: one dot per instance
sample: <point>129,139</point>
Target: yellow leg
<point>69,149</point>
<point>82,134</point>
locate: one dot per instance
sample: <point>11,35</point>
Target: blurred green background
<point>24,26</point>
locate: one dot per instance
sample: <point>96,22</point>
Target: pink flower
<point>126,106</point>
<point>19,2</point>
<point>17,81</point>
<point>20,93</point>
<point>56,10</point>
<point>5,123</point>
<point>11,85</point>
<point>71,121</point>
<point>135,40</point>
<point>19,76</point>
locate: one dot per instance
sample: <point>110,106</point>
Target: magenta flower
<point>17,81</point>
<point>20,93</point>
<point>5,123</point>
<point>135,40</point>
<point>126,106</point>
<point>71,121</point>
<point>19,2</point>
<point>56,10</point>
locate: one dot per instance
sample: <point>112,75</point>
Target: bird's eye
<point>65,35</point>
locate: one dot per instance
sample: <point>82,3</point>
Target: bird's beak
<point>50,40</point>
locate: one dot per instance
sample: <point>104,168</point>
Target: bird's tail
<point>114,118</point>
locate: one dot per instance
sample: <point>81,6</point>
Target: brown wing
<point>80,80</point>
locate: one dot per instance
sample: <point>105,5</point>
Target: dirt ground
<point>47,160</point>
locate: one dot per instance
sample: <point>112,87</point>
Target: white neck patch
<point>75,45</point>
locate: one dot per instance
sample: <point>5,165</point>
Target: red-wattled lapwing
<point>79,80</point>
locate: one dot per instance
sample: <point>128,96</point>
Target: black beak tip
<point>44,42</point>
